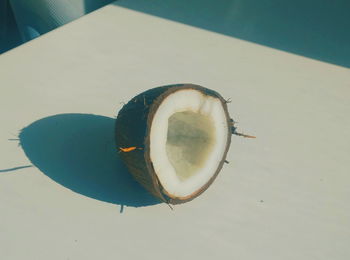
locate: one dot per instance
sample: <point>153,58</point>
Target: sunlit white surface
<point>284,195</point>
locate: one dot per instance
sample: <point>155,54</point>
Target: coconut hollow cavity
<point>174,139</point>
<point>190,139</point>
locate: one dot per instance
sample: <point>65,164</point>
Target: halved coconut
<point>174,139</point>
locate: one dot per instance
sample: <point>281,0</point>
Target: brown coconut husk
<point>132,131</point>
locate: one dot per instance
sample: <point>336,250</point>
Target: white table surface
<point>284,195</point>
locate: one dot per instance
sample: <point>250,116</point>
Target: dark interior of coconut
<point>190,139</point>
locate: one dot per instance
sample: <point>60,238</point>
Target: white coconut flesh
<point>188,138</point>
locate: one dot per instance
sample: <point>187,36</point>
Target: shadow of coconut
<point>78,151</point>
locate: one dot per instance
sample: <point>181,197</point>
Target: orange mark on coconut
<point>129,149</point>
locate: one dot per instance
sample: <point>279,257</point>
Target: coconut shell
<point>132,131</point>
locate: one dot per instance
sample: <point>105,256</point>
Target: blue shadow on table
<point>78,151</point>
<point>315,29</point>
